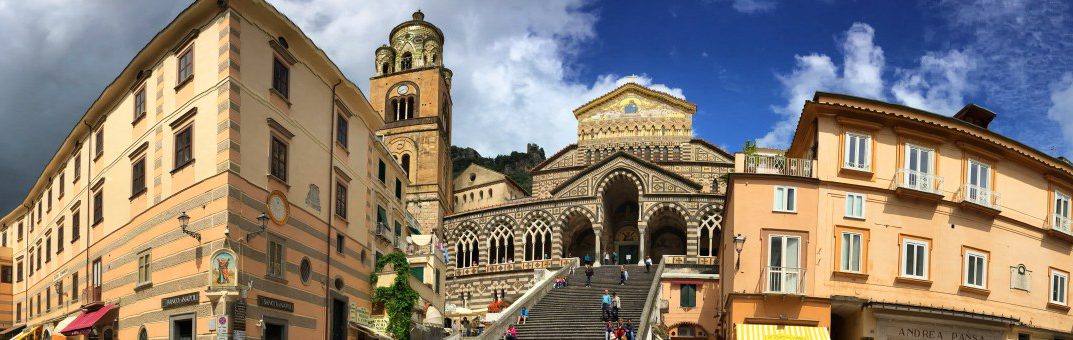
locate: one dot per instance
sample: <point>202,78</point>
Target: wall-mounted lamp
<point>263,221</point>
<point>739,244</point>
<point>183,220</point>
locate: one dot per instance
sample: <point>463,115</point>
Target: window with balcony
<point>95,281</point>
<point>855,205</point>
<point>975,269</point>
<point>1059,287</point>
<point>852,244</point>
<point>977,188</point>
<point>784,272</point>
<point>914,259</point>
<point>858,152</point>
<point>785,199</point>
<point>918,169</point>
<point>1060,220</point>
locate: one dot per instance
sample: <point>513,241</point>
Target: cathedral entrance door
<point>627,253</point>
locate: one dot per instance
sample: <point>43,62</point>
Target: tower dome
<point>415,44</point>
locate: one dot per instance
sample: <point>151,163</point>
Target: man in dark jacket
<point>588,275</point>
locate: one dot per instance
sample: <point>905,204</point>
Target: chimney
<point>975,115</point>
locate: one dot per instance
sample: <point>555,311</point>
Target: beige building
<point>887,222</point>
<point>230,170</point>
<point>478,187</point>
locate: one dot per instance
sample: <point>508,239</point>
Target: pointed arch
<point>467,250</point>
<point>537,236</point>
<point>710,231</point>
<point>406,62</point>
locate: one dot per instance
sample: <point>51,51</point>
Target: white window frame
<point>851,200</point>
<point>906,242</point>
<point>848,254</point>
<point>864,141</point>
<point>967,264</point>
<point>1062,204</point>
<point>789,277</point>
<point>1061,291</point>
<point>788,201</point>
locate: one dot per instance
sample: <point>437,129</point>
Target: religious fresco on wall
<point>224,272</point>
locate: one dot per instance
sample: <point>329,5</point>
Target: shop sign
<point>224,269</point>
<point>904,330</point>
<point>180,300</point>
<point>359,315</point>
<point>239,335</point>
<point>268,302</point>
<point>379,324</point>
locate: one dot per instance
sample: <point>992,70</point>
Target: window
<point>99,143</point>
<point>914,259</point>
<point>48,298</point>
<point>305,270</point>
<point>398,189</point>
<point>854,205</point>
<point>710,226</point>
<point>49,199</point>
<point>281,78</point>
<point>688,296</point>
<point>407,61</point>
<point>18,312</point>
<point>975,269</point>
<point>978,183</point>
<point>537,240</point>
<point>341,128</point>
<point>3,239</point>
<point>145,272</point>
<point>77,168</point>
<point>76,225</point>
<point>59,238</point>
<point>137,182</point>
<point>501,244</point>
<point>785,199</point>
<point>858,153</point>
<point>1061,211</point>
<point>48,249</point>
<point>340,199</point>
<point>74,286</point>
<point>30,263</point>
<point>918,168</point>
<point>275,258</point>
<point>279,159</point>
<point>852,254</point>
<point>382,171</point>
<point>381,219</point>
<point>5,274</point>
<point>139,104</point>
<point>406,164</point>
<point>339,239</point>
<point>20,231</point>
<point>1059,287</point>
<point>62,185</point>
<point>18,271</point>
<point>784,264</point>
<point>184,153</point>
<point>59,293</point>
<point>98,207</point>
<point>143,334</point>
<point>186,66</point>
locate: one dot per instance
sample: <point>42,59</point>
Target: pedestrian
<point>512,333</point>
<point>588,275</point>
<point>629,329</point>
<point>607,257</point>
<point>609,331</point>
<point>523,316</point>
<point>616,301</point>
<point>614,256</point>
<point>648,263</point>
<point>605,302</point>
<point>622,275</point>
<point>588,259</point>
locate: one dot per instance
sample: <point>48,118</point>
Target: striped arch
<point>537,237</point>
<point>667,205</point>
<point>581,210</point>
<point>501,240</point>
<point>673,329</point>
<point>629,174</point>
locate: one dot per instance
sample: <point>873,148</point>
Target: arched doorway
<point>579,240</point>
<point>621,211</point>
<point>666,234</point>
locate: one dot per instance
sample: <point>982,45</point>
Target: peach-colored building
<point>229,171</point>
<point>886,222</point>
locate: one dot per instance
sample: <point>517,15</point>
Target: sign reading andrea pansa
<point>908,330</point>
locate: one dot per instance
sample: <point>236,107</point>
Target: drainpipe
<point>331,217</point>
<point>89,212</point>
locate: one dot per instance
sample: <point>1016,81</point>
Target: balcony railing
<point>1061,224</point>
<point>763,164</point>
<point>919,181</point>
<point>980,196</point>
<point>92,294</point>
<point>784,280</point>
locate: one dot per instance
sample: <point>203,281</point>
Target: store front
<point>889,321</point>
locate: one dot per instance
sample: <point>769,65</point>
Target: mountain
<point>516,165</point>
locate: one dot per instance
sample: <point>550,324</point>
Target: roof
<point>500,177</point>
<point>663,96</point>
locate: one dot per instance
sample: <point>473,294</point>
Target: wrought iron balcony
<point>765,164</point>
<point>919,181</point>
<point>1061,224</point>
<point>980,198</point>
<point>784,280</point>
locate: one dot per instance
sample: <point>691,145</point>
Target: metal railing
<point>856,166</point>
<point>531,297</point>
<point>980,196</point>
<point>784,280</point>
<point>919,181</point>
<point>763,164</point>
<point>1061,223</point>
<point>651,313</point>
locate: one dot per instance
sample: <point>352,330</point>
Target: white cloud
<point>1061,110</point>
<point>938,84</point>
<point>514,81</point>
<point>753,6</point>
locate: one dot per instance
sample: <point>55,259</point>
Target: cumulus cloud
<point>514,80</point>
<point>753,6</point>
<point>1061,110</point>
<point>937,84</point>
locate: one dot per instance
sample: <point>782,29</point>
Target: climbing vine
<point>399,298</point>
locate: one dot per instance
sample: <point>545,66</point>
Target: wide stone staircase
<point>574,312</point>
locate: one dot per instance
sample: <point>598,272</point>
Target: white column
<point>597,257</point>
<point>642,229</point>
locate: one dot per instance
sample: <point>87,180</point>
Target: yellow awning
<point>781,332</point>
<point>28,334</point>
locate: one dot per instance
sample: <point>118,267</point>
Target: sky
<point>521,67</point>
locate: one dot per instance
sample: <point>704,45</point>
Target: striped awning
<point>781,332</point>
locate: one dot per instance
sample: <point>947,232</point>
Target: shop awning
<point>781,332</point>
<point>85,321</point>
<point>65,322</point>
<point>12,331</point>
<point>28,334</point>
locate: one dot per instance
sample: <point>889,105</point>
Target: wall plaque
<point>180,300</point>
<point>238,314</point>
<point>268,302</point>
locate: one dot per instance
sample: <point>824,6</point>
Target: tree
<point>399,298</point>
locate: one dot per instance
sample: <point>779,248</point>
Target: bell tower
<point>411,90</point>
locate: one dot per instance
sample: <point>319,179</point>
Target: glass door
<point>978,189</point>
<point>918,163</point>
<point>784,267</point>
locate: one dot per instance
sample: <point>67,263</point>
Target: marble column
<point>642,234</point>
<point>597,256</point>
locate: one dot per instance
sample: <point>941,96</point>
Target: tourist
<point>605,301</point>
<point>609,331</point>
<point>648,263</point>
<point>588,275</point>
<point>620,333</point>
<point>607,258</point>
<point>614,257</point>
<point>512,334</point>
<point>523,316</point>
<point>616,301</point>
<point>629,329</point>
<point>623,275</point>
<point>588,259</point>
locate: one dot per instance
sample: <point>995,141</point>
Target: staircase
<point>575,312</point>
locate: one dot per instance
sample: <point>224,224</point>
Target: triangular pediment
<point>652,178</point>
<point>634,100</point>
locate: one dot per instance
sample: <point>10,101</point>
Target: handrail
<point>765,164</point>
<point>644,329</point>
<point>534,294</point>
<point>784,280</point>
<point>980,196</point>
<point>1060,223</point>
<point>919,180</point>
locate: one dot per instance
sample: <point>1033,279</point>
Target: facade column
<point>642,231</point>
<point>596,257</point>
<point>692,239</point>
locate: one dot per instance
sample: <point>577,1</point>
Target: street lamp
<point>263,221</point>
<point>739,244</point>
<point>183,220</point>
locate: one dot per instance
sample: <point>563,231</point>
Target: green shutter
<point>688,295</point>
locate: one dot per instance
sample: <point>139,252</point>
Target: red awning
<point>85,321</point>
<point>687,282</point>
